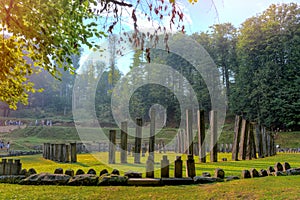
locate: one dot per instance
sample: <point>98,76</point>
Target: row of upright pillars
<point>10,167</point>
<point>178,166</point>
<point>137,143</point>
<point>60,152</point>
<point>185,143</point>
<point>245,145</point>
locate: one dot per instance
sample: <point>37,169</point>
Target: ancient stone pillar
<point>189,131</point>
<point>112,147</point>
<point>244,138</point>
<point>17,167</point>
<point>214,134</point>
<point>51,152</point>
<point>67,155</point>
<point>57,152</point>
<point>259,140</point>
<point>138,141</point>
<point>164,167</point>
<point>178,167</point>
<point>252,141</point>
<point>150,167</point>
<point>237,135</point>
<point>190,167</point>
<point>48,151</point>
<point>123,142</point>
<point>201,136</point>
<point>63,153</point>
<point>183,141</point>
<point>152,133</point>
<point>268,143</point>
<point>73,152</point>
<point>3,166</point>
<point>8,167</point>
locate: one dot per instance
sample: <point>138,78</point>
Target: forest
<point>258,64</point>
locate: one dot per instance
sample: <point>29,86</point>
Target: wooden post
<point>269,144</point>
<point>52,152</point>
<point>112,147</point>
<point>273,145</point>
<point>252,144</point>
<point>152,133</point>
<point>73,152</point>
<point>123,142</point>
<point>237,135</point>
<point>189,131</point>
<point>57,152</point>
<point>62,153</point>
<point>138,141</point>
<point>244,138</point>
<point>251,151</point>
<point>259,140</point>
<point>267,136</point>
<point>67,158</point>
<point>201,136</point>
<point>214,133</point>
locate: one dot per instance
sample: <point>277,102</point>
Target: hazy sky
<point>204,14</point>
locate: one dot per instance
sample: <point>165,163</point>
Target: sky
<point>208,12</point>
<point>203,14</point>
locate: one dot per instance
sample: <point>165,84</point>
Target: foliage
<point>39,35</point>
<point>220,42</point>
<point>266,86</point>
<point>45,34</point>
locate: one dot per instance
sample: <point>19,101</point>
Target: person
<point>7,146</point>
<point>1,144</point>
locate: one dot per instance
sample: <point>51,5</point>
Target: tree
<point>48,33</point>
<point>267,80</point>
<point>220,42</point>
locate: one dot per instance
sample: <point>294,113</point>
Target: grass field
<point>286,187</point>
<point>259,188</point>
<point>98,161</point>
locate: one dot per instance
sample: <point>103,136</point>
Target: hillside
<point>32,136</point>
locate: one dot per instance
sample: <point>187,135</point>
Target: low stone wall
<point>80,178</point>
<point>289,150</point>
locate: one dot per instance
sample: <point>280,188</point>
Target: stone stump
<point>190,167</point>
<point>150,167</point>
<point>164,164</point>
<point>178,167</point>
<point>73,152</point>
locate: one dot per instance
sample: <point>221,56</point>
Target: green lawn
<point>98,161</point>
<point>287,187</point>
<point>259,188</point>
